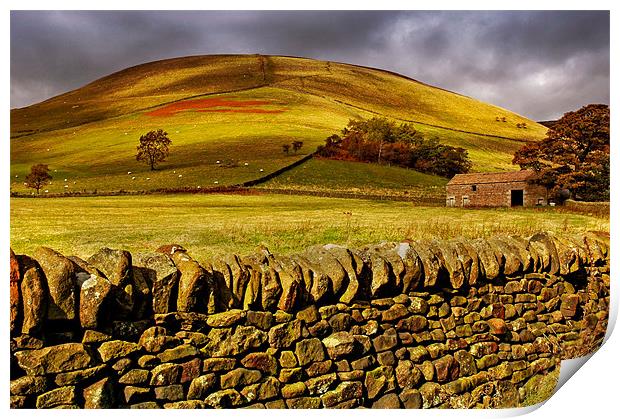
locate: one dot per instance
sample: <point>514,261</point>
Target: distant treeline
<point>548,124</point>
<point>378,140</point>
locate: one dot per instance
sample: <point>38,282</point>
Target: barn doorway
<point>516,198</point>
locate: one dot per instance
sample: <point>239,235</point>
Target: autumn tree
<point>153,148</point>
<point>574,155</point>
<point>38,176</point>
<point>378,140</point>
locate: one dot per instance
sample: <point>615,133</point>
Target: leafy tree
<point>574,155</point>
<point>286,148</point>
<point>297,145</point>
<point>38,176</point>
<point>379,140</point>
<point>153,147</point>
<point>331,147</point>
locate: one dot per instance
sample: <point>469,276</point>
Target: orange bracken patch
<point>246,110</point>
<point>207,105</point>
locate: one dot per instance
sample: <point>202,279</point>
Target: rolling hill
<point>228,116</point>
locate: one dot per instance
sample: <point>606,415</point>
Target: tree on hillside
<point>297,145</point>
<point>574,155</point>
<point>38,176</point>
<point>153,147</point>
<point>286,148</point>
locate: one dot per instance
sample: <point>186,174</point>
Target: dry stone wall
<point>456,323</point>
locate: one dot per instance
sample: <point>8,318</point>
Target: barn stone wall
<point>495,194</point>
<point>456,323</point>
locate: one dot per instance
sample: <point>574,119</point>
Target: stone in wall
<point>34,297</point>
<point>14,292</point>
<point>159,272</point>
<point>61,283</point>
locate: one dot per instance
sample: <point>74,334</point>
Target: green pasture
<point>322,175</point>
<point>209,225</point>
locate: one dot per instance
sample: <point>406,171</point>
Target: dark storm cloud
<point>539,64</point>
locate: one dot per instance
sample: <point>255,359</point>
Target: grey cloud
<point>537,63</point>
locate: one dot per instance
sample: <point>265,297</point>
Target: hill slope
<point>237,109</point>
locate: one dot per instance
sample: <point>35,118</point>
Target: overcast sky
<point>539,64</point>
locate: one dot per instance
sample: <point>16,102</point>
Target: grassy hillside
<point>212,225</point>
<point>240,109</point>
<point>321,175</point>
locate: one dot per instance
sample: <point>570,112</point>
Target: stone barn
<point>500,189</point>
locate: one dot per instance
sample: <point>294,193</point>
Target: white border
<point>592,393</point>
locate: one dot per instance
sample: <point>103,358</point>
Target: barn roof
<point>495,177</point>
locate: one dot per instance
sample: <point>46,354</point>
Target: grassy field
<point>322,175</point>
<point>209,225</point>
<point>89,136</point>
